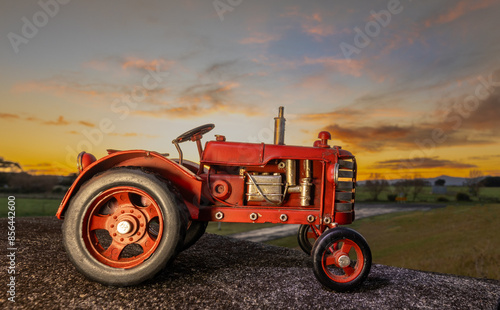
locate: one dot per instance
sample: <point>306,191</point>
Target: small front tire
<point>341,259</point>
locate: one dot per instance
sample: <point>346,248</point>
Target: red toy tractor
<point>129,213</point>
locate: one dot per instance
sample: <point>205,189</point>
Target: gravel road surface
<point>223,273</point>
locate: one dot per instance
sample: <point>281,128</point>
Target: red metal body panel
<point>257,157</point>
<point>264,214</point>
<point>185,181</point>
<point>253,154</point>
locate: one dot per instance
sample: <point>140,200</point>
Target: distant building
<point>439,190</point>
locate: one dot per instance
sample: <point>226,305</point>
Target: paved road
<point>362,210</point>
<point>222,273</point>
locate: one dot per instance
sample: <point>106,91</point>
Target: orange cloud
<point>131,134</point>
<point>60,122</point>
<point>460,9</point>
<point>9,116</point>
<point>87,124</point>
<point>138,63</point>
<point>311,24</point>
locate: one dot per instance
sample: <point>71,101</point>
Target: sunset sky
<point>409,87</point>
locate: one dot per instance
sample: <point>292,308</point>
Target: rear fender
<point>186,183</point>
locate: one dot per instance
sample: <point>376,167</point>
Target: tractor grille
<point>346,184</point>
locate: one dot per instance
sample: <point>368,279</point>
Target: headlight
<point>332,174</point>
<point>83,160</point>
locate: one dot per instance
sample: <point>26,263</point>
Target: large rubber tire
<point>123,226</point>
<point>331,250</point>
<point>194,232</point>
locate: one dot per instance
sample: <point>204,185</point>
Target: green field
<point>462,240</point>
<point>31,206</point>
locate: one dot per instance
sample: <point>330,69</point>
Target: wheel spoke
<point>151,212</point>
<point>113,251</point>
<point>348,270</point>
<point>330,260</point>
<point>98,222</point>
<point>316,230</point>
<point>346,247</point>
<point>123,199</point>
<point>147,242</point>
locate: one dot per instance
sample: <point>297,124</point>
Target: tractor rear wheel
<point>123,226</point>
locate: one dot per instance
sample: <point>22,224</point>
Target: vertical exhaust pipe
<point>279,128</point>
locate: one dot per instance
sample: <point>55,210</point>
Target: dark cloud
<point>485,117</point>
<point>484,157</point>
<point>466,121</point>
<point>377,138</point>
<point>421,163</point>
<point>220,68</point>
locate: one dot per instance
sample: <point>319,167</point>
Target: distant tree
<point>4,179</point>
<point>418,185</point>
<point>26,183</point>
<point>68,180</point>
<point>462,197</point>
<point>491,182</point>
<point>440,182</point>
<point>403,186</point>
<point>9,165</point>
<point>474,182</point>
<point>376,185</point>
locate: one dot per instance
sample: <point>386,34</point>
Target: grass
<point>31,206</point>
<point>461,240</point>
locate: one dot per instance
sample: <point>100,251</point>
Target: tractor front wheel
<point>341,259</point>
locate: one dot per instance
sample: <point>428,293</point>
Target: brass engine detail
<point>291,170</point>
<point>269,185</point>
<point>305,183</point>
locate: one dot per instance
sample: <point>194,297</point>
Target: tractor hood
<point>255,154</point>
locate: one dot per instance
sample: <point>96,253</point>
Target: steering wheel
<point>198,131</point>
